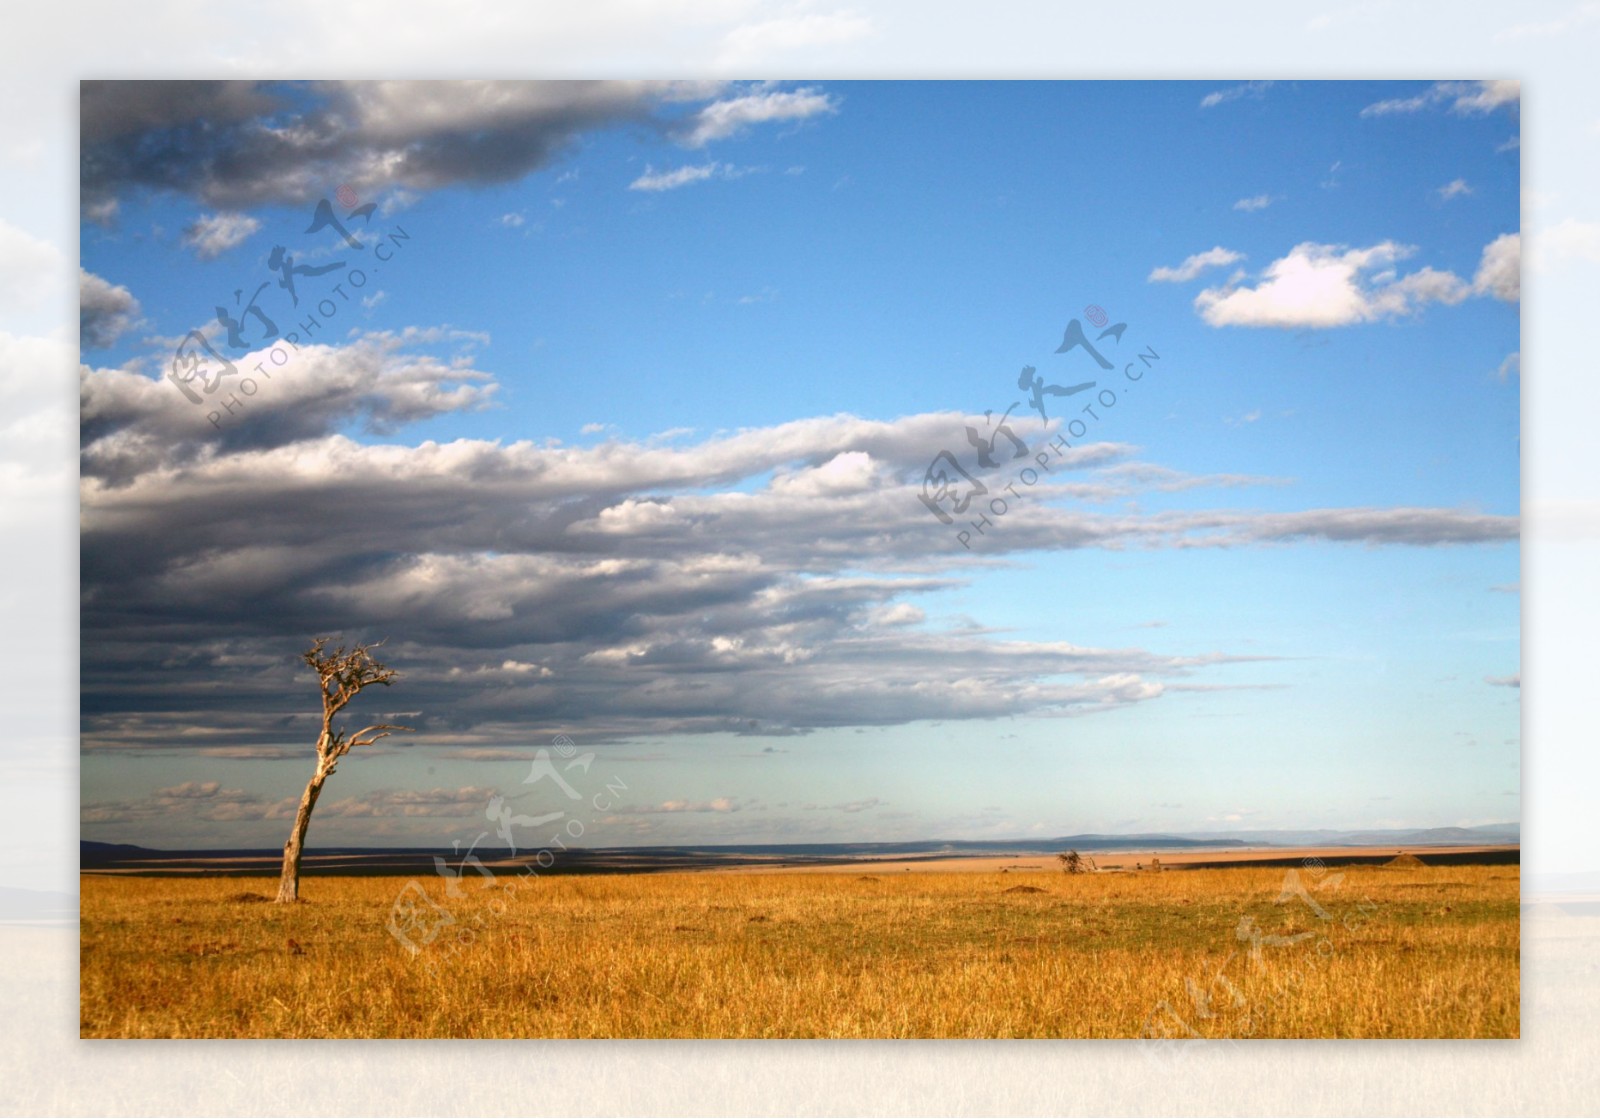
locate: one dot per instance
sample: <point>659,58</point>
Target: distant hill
<point>92,853</point>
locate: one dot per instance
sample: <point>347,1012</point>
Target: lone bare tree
<point>341,675</point>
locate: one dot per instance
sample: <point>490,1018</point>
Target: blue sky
<point>642,465</point>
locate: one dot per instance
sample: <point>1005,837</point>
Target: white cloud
<point>1453,189</point>
<point>211,235</point>
<point>1462,97</point>
<point>1196,264</point>
<point>460,802</point>
<point>1252,204</point>
<point>1331,285</point>
<point>845,473</point>
<point>1500,268</point>
<point>1489,96</point>
<point>668,807</point>
<point>1233,93</point>
<point>513,220</point>
<point>730,116</point>
<point>671,180</point>
<point>396,199</point>
<point>1511,365</point>
<point>1400,105</point>
<point>1425,285</point>
<point>102,212</point>
<point>852,806</point>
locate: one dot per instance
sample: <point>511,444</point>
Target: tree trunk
<point>289,880</point>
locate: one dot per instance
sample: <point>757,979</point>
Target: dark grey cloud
<point>466,801</point>
<point>130,423</point>
<point>194,800</point>
<point>185,808</point>
<point>105,311</point>
<point>851,806</point>
<point>672,807</point>
<point>109,110</point>
<point>242,144</point>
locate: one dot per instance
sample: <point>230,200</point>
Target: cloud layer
<point>768,581</point>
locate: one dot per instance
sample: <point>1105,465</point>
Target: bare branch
<point>383,730</point>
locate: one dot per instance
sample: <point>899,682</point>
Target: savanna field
<point>1358,952</point>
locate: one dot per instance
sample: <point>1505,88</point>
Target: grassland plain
<point>1363,952</point>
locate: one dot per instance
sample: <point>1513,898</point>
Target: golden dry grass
<point>1422,952</point>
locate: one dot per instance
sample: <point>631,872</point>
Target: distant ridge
<point>420,860</point>
<point>89,849</point>
<point>93,852</point>
<point>1505,833</point>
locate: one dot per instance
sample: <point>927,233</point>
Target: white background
<point>1553,48</point>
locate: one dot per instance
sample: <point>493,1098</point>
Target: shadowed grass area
<point>1364,952</point>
